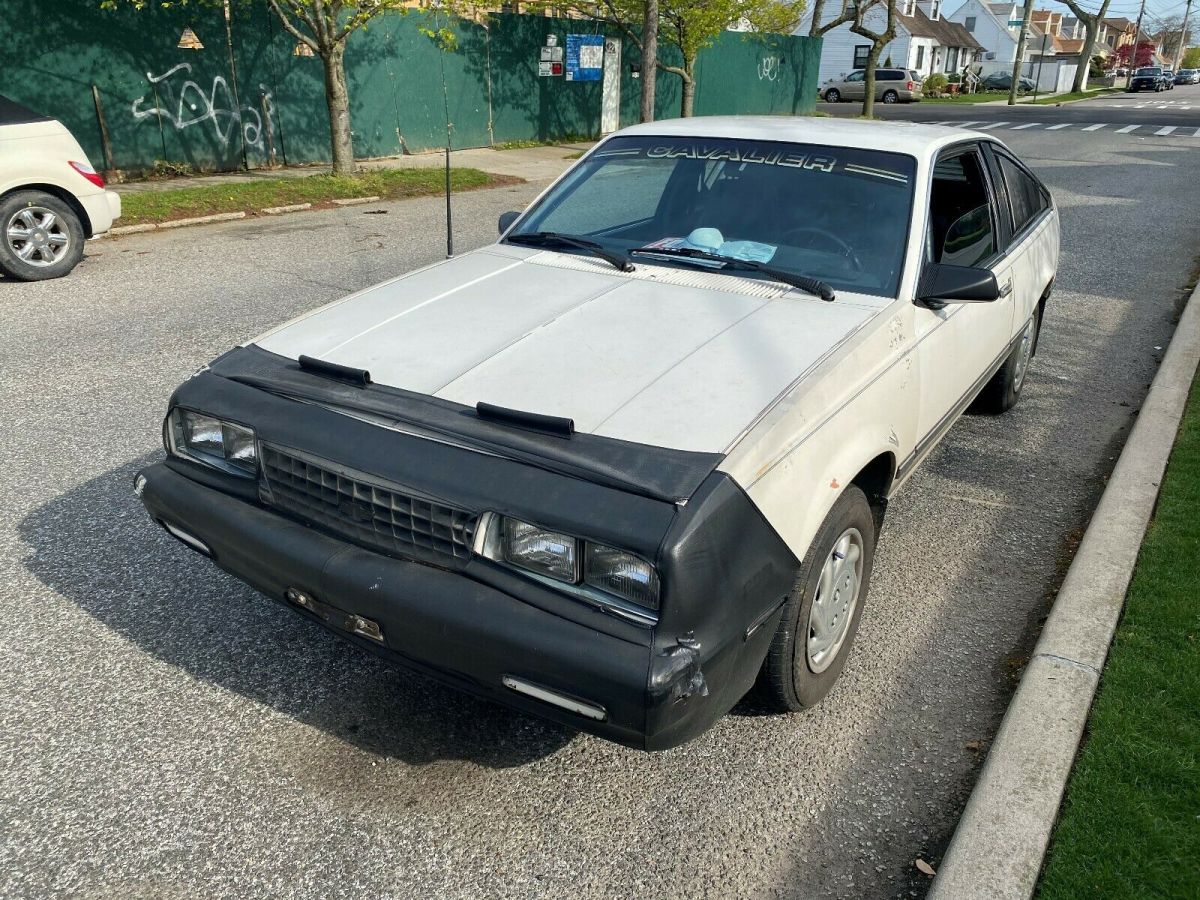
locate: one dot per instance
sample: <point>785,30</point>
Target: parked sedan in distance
<point>1002,81</point>
<point>1187,76</point>
<point>51,199</point>
<point>1147,78</point>
<point>891,86</point>
<point>631,461</point>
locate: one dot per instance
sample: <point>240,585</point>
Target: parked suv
<point>1187,76</point>
<point>1147,78</point>
<point>51,199</point>
<point>891,86</point>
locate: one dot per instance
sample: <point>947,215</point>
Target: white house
<point>925,41</point>
<point>996,26</point>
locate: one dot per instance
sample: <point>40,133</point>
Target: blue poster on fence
<point>585,57</point>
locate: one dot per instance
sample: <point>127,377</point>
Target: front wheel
<point>1004,390</point>
<point>832,96</point>
<point>821,615</point>
<point>42,236</point>
<point>890,96</point>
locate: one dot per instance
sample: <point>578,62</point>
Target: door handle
<point>1006,288</point>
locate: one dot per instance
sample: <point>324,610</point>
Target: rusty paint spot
<point>834,484</point>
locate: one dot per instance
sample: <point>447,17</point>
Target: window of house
<point>935,11</point>
<point>860,55</point>
<point>1026,196</point>
<point>920,55</point>
<point>960,215</point>
<point>969,24</point>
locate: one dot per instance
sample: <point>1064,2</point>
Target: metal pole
<point>1037,82</point>
<point>1182,34</point>
<point>1016,70</point>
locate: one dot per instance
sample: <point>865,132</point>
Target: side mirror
<point>940,284</point>
<point>506,220</point>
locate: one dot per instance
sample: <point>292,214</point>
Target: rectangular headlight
<point>215,442</point>
<point>621,574</point>
<point>584,568</point>
<point>548,553</point>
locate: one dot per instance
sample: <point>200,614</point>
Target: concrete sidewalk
<point>530,163</point>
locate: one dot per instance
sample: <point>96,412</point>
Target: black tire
<point>890,97</point>
<point>787,681</point>
<point>15,212</point>
<point>833,96</point>
<point>1004,390</point>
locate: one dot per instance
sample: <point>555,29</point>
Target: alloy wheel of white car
<point>37,236</point>
<point>40,236</point>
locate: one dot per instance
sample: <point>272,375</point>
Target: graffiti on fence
<point>768,68</point>
<point>186,104</point>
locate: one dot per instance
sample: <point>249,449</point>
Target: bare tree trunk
<point>337,101</point>
<point>649,59</point>
<point>688,102</point>
<point>868,109</point>
<point>1091,29</point>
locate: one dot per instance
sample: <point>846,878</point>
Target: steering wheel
<point>829,237</point>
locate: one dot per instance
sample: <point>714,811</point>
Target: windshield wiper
<point>813,286</point>
<point>547,238</point>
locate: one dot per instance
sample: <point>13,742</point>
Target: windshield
<point>832,213</point>
<point>1149,71</point>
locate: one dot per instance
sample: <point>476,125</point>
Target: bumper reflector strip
<point>190,539</point>
<point>591,711</point>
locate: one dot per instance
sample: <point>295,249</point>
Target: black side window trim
<point>1017,235</point>
<point>999,229</point>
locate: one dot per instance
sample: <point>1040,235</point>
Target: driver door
<point>855,87</point>
<point>960,345</point>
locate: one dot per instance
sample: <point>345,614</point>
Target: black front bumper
<point>474,624</point>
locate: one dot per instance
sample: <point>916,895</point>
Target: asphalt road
<point>165,732</point>
<point>1178,108</point>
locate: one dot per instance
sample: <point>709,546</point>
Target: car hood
<point>667,356</point>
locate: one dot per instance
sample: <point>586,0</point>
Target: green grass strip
<point>253,195</point>
<point>1130,824</point>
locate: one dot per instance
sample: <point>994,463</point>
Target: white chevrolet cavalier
<point>631,461</point>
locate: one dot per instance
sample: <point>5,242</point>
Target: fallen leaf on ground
<point>924,867</point>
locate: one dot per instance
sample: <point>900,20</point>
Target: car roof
<point>921,141</point>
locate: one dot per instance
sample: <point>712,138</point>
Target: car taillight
<point>88,172</point>
<point>911,85</point>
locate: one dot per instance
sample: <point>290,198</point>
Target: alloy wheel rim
<point>834,601</point>
<point>1025,354</point>
<point>37,236</point>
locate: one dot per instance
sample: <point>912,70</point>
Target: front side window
<point>860,55</point>
<point>837,214</point>
<point>1026,196</point>
<point>961,230</point>
<point>855,76</point>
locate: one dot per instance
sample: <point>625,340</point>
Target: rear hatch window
<point>13,113</point>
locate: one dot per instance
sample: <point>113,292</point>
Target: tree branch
<point>290,28</point>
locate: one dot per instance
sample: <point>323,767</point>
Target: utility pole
<point>1137,39</point>
<point>1016,72</point>
<point>1182,35</point>
<point>649,59</point>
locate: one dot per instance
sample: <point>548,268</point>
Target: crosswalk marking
<point>1178,131</point>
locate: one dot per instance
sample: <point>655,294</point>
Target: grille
<point>369,514</point>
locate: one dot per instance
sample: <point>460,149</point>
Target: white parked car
<point>51,199</point>
<point>631,461</point>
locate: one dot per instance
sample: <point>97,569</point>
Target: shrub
<point>935,84</point>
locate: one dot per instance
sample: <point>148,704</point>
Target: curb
<point>1001,840</point>
<point>226,217</point>
<point>355,201</point>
